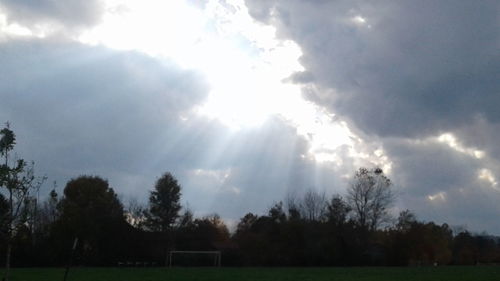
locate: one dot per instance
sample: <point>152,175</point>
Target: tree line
<point>302,230</point>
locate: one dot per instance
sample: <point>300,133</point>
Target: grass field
<point>477,273</point>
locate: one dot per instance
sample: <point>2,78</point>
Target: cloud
<point>403,74</point>
<point>445,183</point>
<point>414,81</point>
<point>69,13</point>
<point>79,109</point>
<point>427,167</point>
<point>129,118</point>
<point>248,170</point>
<point>400,68</point>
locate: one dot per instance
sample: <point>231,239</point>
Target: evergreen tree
<point>164,205</point>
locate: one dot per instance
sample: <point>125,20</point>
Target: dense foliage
<point>285,236</point>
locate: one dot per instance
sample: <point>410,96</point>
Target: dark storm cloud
<point>429,167</point>
<point>474,205</point>
<point>79,109</point>
<point>413,68</point>
<point>443,184</point>
<point>402,73</point>
<point>483,134</point>
<point>69,13</point>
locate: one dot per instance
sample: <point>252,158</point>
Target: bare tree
<point>50,206</point>
<point>313,205</point>
<point>136,214</point>
<point>369,197</point>
<point>293,206</point>
<point>405,221</point>
<point>47,214</point>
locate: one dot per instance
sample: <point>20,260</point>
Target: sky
<point>248,102</point>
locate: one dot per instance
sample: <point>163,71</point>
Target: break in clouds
<point>418,79</point>
<point>123,115</point>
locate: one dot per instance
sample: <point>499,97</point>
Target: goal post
<point>216,256</point>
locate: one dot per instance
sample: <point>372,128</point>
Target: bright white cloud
<point>9,30</point>
<point>245,64</point>
<point>438,197</point>
<point>488,176</point>
<point>450,140</point>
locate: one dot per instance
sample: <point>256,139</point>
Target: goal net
<point>194,258</point>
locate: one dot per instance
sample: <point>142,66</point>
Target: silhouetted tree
<point>50,207</point>
<point>434,243</point>
<point>18,179</point>
<point>211,229</point>
<point>369,197</point>
<point>406,220</point>
<point>136,214</point>
<point>402,240</point>
<point>246,237</point>
<point>186,219</point>
<point>469,249</point>
<point>337,210</point>
<point>4,212</point>
<point>313,205</point>
<point>91,211</point>
<point>164,205</point>
<point>465,250</point>
<point>246,223</point>
<point>4,208</point>
<point>276,213</point>
<point>293,207</point>
<point>412,242</point>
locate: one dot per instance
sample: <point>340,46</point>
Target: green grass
<point>459,273</point>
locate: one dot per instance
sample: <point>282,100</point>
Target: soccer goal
<point>194,258</point>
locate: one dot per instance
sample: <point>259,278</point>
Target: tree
<point>246,223</point>
<point>186,219</point>
<point>50,207</point>
<point>4,212</point>
<point>164,203</point>
<point>369,196</point>
<point>43,216</point>
<point>276,213</point>
<point>313,205</point>
<point>406,220</point>
<point>337,210</point>
<point>91,211</point>
<point>136,214</point>
<point>210,230</point>
<point>18,179</point>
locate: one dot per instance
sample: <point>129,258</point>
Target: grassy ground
<point>479,273</point>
